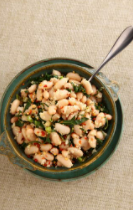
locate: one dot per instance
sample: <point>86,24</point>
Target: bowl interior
<point>22,81</point>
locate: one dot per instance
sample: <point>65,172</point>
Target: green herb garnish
<point>69,90</point>
<point>23,145</point>
<point>48,129</point>
<point>106,124</point>
<point>46,76</point>
<point>79,88</point>
<point>101,108</point>
<point>19,123</point>
<point>29,118</point>
<point>48,140</point>
<point>46,104</point>
<point>27,104</point>
<point>18,97</point>
<point>73,121</point>
<point>99,141</point>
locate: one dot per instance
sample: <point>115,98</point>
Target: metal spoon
<point>123,40</point>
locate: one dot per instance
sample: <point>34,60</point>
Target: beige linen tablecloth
<point>81,29</point>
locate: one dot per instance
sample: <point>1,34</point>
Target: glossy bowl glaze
<point>8,145</point>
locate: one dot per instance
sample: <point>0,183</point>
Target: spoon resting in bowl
<point>123,41</point>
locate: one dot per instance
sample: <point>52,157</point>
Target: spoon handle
<point>123,40</point>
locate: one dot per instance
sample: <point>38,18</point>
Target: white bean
<point>45,147</point>
<point>79,95</point>
<point>55,72</point>
<point>48,163</point>
<point>75,152</point>
<point>69,109</point>
<point>93,99</point>
<point>16,130</point>
<point>73,76</point>
<point>32,88</point>
<point>55,138</point>
<point>108,116</point>
<point>24,118</point>
<point>99,95</point>
<point>75,114</point>
<point>100,120</point>
<point>47,124</point>
<point>58,111</point>
<point>52,109</point>
<point>81,114</point>
<point>75,82</point>
<point>14,106</point>
<point>40,132</point>
<point>66,154</point>
<point>75,136</point>
<point>51,93</point>
<point>24,93</point>
<point>89,102</point>
<point>94,111</point>
<point>63,146</point>
<point>39,158</point>
<point>30,134</point>
<point>28,127</point>
<point>92,133</point>
<point>33,109</point>
<point>61,94</point>
<point>84,99</point>
<point>100,135</point>
<point>14,119</point>
<point>81,105</point>
<point>45,116</point>
<point>87,86</point>
<point>55,117</point>
<point>21,109</point>
<point>72,101</point>
<point>77,130</point>
<point>39,95</point>
<point>24,133</point>
<point>62,103</point>
<point>77,142</point>
<point>88,125</point>
<point>48,156</point>
<point>54,80</point>
<point>68,86</point>
<point>54,151</point>
<point>64,117</point>
<point>62,129</point>
<point>46,94</point>
<point>64,161</point>
<point>31,150</point>
<point>94,90</point>
<point>32,96</point>
<point>92,141</point>
<point>85,144</point>
<point>72,94</point>
<point>19,138</point>
<point>87,115</point>
<point>60,83</point>
<point>45,85</point>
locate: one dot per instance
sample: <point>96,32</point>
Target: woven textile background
<point>31,30</point>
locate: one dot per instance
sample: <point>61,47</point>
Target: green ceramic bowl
<point>8,145</point>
